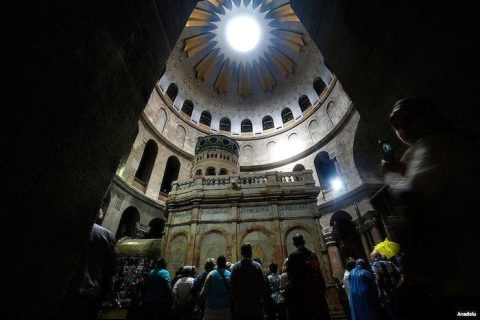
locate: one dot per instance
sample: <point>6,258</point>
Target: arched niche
<point>247,153</point>
<point>210,171</point>
<point>178,251</point>
<point>212,245</point>
<point>262,247</point>
<point>145,167</point>
<point>171,174</point>
<point>128,222</point>
<point>309,240</point>
<point>180,134</point>
<point>314,130</point>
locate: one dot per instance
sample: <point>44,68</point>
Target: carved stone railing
<point>244,180</point>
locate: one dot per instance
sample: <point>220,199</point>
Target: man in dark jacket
<point>248,286</point>
<point>306,287</point>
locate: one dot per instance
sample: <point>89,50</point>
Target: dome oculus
<point>242,33</point>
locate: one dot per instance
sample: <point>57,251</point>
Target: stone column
<point>333,253</point>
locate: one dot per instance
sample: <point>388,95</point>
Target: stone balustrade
<point>244,180</point>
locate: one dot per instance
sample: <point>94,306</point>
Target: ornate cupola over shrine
<point>216,155</point>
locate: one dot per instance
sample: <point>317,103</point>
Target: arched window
<point>210,171</point>
<point>326,170</point>
<point>304,102</point>
<point>187,107</point>
<point>145,167</point>
<point>128,223</point>
<point>198,172</point>
<point>172,91</point>
<point>225,124</point>
<point>171,174</point>
<point>206,118</point>
<point>287,115</point>
<point>298,167</point>
<point>246,126</point>
<point>267,123</point>
<point>319,85</point>
<point>223,172</point>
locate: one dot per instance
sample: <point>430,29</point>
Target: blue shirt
<point>158,287</point>
<point>218,296</point>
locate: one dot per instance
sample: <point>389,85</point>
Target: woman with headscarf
<point>364,303</point>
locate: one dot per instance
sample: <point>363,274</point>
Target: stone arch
<point>308,234</point>
<point>128,222</point>
<point>161,119</point>
<point>212,244</point>
<point>145,167</point>
<point>319,85</point>
<point>157,228</point>
<point>298,167</point>
<point>170,174</point>
<point>293,138</point>
<point>206,118</point>
<point>287,115</point>
<point>210,171</point>
<point>177,253</point>
<point>187,107</point>
<point>172,91</point>
<point>267,123</point>
<point>271,149</point>
<point>330,109</point>
<point>314,130</point>
<point>246,126</point>
<point>223,172</point>
<point>180,134</point>
<point>262,243</point>
<point>248,153</point>
<point>225,124</point>
<point>304,102</point>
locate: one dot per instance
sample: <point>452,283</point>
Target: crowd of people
<point>239,291</point>
<point>375,290</point>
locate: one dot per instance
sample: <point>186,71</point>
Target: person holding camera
<point>434,189</point>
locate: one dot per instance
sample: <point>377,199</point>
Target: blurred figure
<point>248,286</point>
<point>364,303</point>
<point>388,279</point>
<point>182,294</point>
<point>349,265</point>
<point>277,308</point>
<point>283,288</point>
<point>158,293</point>
<point>199,302</point>
<point>434,188</point>
<point>97,268</point>
<point>217,292</point>
<point>306,286</point>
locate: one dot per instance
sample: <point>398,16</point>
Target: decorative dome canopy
<point>226,30</point>
<point>216,142</point>
<point>243,61</point>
